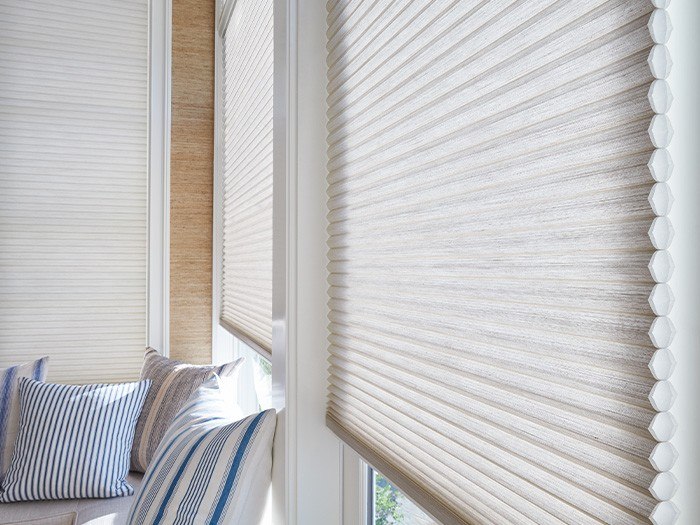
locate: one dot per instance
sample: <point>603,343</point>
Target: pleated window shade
<point>246,305</point>
<point>73,186</point>
<point>498,338</point>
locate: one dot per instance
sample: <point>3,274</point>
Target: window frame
<point>224,10</point>
<point>218,186</point>
<point>158,51</point>
<point>356,485</point>
<point>358,490</point>
<point>159,108</point>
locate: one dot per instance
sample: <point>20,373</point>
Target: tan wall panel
<point>191,180</point>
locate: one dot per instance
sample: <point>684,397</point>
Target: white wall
<point>685,183</point>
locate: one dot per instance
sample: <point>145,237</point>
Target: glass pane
<point>391,507</point>
<point>253,387</point>
<point>263,380</point>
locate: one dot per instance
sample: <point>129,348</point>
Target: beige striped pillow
<point>172,383</point>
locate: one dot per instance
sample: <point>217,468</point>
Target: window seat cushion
<point>110,511</point>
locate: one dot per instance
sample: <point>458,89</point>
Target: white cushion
<point>209,467</point>
<point>111,511</point>
<point>59,519</point>
<point>9,406</point>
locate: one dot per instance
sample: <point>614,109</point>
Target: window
<point>74,180</point>
<point>245,166</point>
<point>492,219</point>
<point>243,198</point>
<point>389,506</point>
<point>254,384</point>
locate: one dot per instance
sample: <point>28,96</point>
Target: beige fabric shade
<point>498,341</point>
<point>246,303</point>
<point>74,187</point>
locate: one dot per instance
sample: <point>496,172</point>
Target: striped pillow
<point>73,441</point>
<point>9,406</point>
<point>172,383</point>
<point>209,468</point>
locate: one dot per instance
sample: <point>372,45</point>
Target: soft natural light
<point>254,385</point>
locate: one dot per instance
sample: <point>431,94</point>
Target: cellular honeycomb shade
<point>246,303</point>
<point>497,268</point>
<point>73,186</point>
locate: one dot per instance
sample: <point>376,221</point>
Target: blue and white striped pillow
<point>9,406</point>
<point>73,441</point>
<point>209,468</point>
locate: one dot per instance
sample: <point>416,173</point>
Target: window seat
<point>112,511</point>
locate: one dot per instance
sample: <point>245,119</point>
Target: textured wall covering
<point>191,172</point>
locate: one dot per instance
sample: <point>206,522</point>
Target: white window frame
<point>310,477</point>
<point>357,508</point>
<point>224,8</point>
<point>218,187</point>
<point>284,268</point>
<point>685,217</point>
<point>159,56</point>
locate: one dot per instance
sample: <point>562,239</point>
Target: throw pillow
<point>209,468</point>
<point>172,383</point>
<point>9,406</point>
<point>73,441</point>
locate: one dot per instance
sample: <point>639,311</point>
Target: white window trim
<point>357,485</point>
<point>217,204</point>
<point>316,450</point>
<point>685,217</point>
<point>355,501</point>
<point>159,43</point>
<point>284,264</point>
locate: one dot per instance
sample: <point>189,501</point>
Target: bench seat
<point>111,511</point>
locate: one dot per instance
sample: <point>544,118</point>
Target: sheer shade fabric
<point>73,186</point>
<point>494,323</point>
<point>246,303</point>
